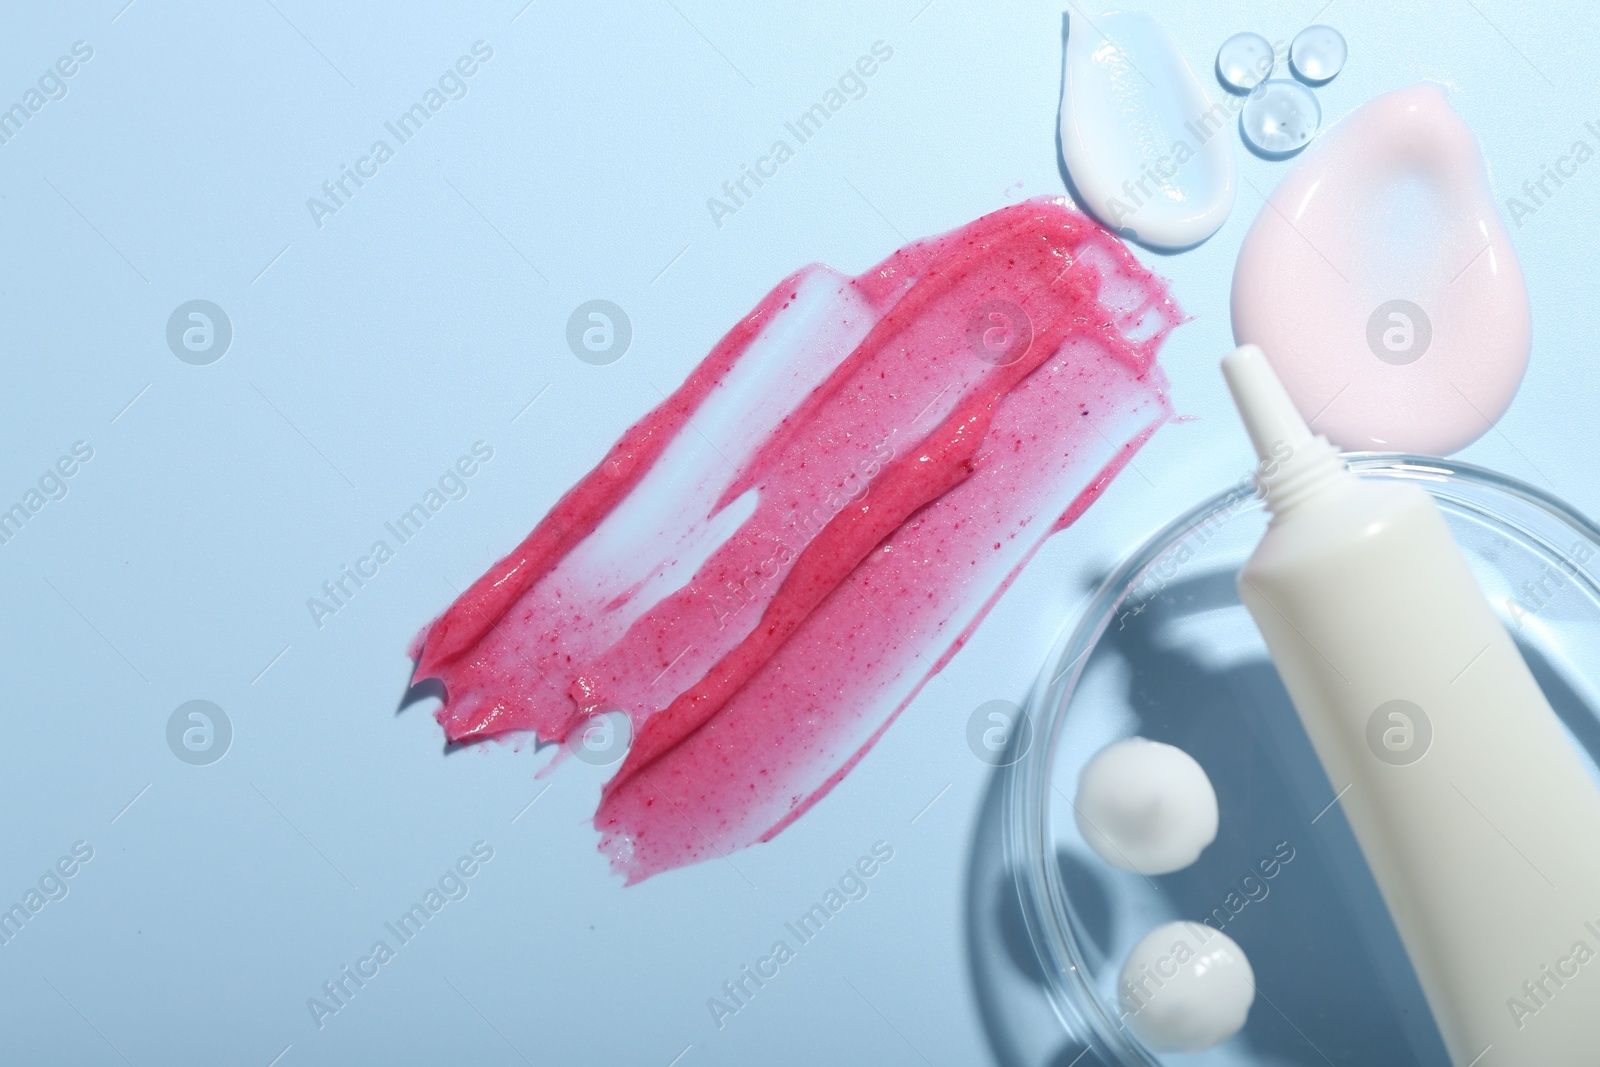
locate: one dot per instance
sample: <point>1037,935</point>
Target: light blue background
<point>370,353</point>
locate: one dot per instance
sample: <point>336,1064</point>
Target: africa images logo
<point>199,332</point>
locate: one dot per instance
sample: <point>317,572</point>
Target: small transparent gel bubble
<point>1318,53</point>
<point>1244,61</point>
<point>1280,117</point>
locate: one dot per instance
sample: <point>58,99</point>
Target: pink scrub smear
<point>764,570</point>
<point>1381,284</point>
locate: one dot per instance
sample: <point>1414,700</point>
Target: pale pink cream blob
<point>1381,284</point>
<point>766,569</point>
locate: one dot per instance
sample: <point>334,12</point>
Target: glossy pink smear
<point>1381,283</point>
<point>765,570</point>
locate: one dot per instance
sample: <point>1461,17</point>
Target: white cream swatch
<point>1150,154</point>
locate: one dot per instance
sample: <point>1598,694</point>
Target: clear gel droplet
<point>1244,61</point>
<point>1280,117</point>
<point>1318,53</point>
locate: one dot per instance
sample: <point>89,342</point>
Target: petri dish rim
<point>1027,839</point>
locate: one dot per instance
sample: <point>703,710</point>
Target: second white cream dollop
<point>1186,988</point>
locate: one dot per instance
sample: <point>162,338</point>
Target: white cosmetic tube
<point>1475,813</point>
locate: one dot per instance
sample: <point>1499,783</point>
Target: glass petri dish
<point>1164,649</point>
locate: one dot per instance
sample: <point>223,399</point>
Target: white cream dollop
<point>1146,806</point>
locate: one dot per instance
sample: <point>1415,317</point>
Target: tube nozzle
<point>1293,459</point>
